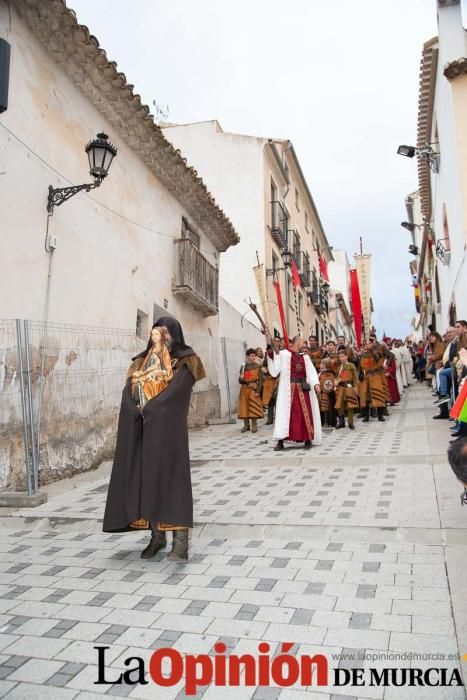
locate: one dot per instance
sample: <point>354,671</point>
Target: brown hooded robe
<point>151,477</point>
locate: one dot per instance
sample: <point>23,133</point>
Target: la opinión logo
<point>167,667</point>
<point>284,669</point>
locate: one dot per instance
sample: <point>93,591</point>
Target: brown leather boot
<point>254,425</point>
<point>158,541</point>
<point>246,425</point>
<point>179,546</point>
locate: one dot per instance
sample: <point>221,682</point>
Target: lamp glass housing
<point>408,151</point>
<point>100,155</point>
<point>286,257</point>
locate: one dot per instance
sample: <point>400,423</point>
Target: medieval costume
<point>150,484</point>
<point>372,389</point>
<point>315,355</point>
<point>398,358</point>
<point>334,359</point>
<point>390,373</point>
<point>384,354</point>
<point>269,393</point>
<point>327,378</point>
<point>297,409</point>
<point>249,403</point>
<point>407,363</point>
<point>346,393</point>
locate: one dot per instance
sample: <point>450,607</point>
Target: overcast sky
<point>339,78</point>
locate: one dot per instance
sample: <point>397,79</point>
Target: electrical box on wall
<point>4,74</point>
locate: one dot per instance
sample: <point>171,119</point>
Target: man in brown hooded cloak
<point>150,484</point>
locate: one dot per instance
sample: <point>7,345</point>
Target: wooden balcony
<point>195,278</point>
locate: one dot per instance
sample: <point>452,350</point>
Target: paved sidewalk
<point>357,547</point>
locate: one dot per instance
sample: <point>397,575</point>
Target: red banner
<point>281,313</point>
<point>323,268</point>
<point>356,306</point>
<point>295,275</point>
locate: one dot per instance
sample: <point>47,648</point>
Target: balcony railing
<point>318,295</point>
<point>279,225</point>
<point>305,271</point>
<point>314,292</point>
<point>296,250</point>
<point>443,250</point>
<point>195,278</point>
<point>323,298</point>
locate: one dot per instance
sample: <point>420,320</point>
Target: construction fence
<point>60,393</point>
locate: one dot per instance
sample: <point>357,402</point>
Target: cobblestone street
<point>355,547</point>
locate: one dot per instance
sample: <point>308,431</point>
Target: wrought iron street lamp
<point>287,258</point>
<point>100,154</point>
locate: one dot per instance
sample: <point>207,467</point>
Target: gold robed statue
<point>154,374</point>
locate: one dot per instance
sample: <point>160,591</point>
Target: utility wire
<point>104,206</point>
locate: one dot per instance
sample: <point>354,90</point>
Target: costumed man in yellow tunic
<point>385,356</point>
<point>327,377</point>
<point>346,389</point>
<point>249,404</point>
<point>314,352</point>
<point>372,390</point>
<point>330,352</point>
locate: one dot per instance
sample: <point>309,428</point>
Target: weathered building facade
<point>441,213</point>
<point>340,307</point>
<point>146,243</point>
<point>260,183</point>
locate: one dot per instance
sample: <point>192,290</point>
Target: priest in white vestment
<point>297,417</point>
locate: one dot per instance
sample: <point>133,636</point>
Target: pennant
<point>295,275</point>
<point>323,268</point>
<point>281,313</point>
<point>356,306</point>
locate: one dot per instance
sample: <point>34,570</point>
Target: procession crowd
<point>304,387</point>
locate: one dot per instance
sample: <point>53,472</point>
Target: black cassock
<point>151,471</point>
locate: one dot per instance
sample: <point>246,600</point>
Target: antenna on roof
<point>161,112</point>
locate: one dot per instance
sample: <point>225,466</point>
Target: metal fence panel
<point>73,379</point>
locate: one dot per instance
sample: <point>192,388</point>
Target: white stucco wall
<point>115,249</point>
<point>231,165</point>
<point>339,274</point>
<point>446,186</point>
<point>339,277</point>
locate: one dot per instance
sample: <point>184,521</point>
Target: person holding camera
<point>297,409</point>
